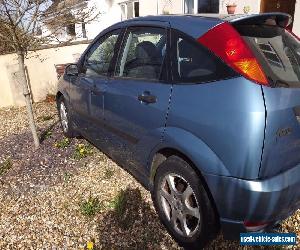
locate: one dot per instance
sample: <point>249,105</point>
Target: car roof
<point>193,25</point>
<point>197,24</point>
<point>210,16</point>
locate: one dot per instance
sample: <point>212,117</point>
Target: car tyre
<point>183,205</point>
<point>65,118</point>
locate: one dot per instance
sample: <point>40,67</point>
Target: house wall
<point>41,73</point>
<point>110,13</point>
<point>254,6</point>
<point>157,7</point>
<point>296,27</point>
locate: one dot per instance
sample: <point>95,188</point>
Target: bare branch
<point>21,19</point>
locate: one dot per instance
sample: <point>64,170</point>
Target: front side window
<point>142,54</point>
<point>98,59</point>
<point>196,64</point>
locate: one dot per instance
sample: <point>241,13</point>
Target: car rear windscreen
<point>278,52</point>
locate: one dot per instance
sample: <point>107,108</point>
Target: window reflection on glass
<point>143,54</point>
<point>100,56</point>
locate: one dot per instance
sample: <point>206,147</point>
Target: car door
<point>88,90</point>
<point>137,96</point>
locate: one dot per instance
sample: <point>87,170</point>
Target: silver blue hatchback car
<point>203,110</point>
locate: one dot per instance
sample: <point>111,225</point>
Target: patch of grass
<point>5,166</point>
<point>82,151</point>
<point>90,207</point>
<point>108,173</point>
<point>65,142</point>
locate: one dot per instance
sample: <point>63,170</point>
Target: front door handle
<point>146,97</point>
<point>95,90</point>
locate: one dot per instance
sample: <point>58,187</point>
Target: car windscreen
<point>278,52</point>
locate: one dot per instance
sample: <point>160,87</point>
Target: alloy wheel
<point>63,116</point>
<point>180,205</point>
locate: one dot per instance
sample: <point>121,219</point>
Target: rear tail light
<point>226,43</point>
<point>255,226</point>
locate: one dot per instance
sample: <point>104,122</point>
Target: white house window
<point>70,29</point>
<point>208,6</point>
<point>200,6</point>
<point>136,9</point>
<point>189,6</point>
<point>129,10</point>
<point>123,11</point>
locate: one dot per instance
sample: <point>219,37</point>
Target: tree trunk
<point>26,93</point>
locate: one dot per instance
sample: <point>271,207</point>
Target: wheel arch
<point>190,147</point>
<point>59,94</point>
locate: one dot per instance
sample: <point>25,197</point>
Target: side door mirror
<point>72,70</point>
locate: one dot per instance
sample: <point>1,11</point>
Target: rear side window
<point>278,52</point>
<point>195,64</point>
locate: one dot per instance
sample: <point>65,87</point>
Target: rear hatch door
<point>278,52</point>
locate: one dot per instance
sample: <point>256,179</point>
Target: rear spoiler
<point>273,18</point>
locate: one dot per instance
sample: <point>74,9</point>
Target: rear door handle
<point>146,97</point>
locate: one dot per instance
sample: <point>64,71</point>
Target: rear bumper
<point>270,200</point>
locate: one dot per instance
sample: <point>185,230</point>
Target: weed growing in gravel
<point>90,207</point>
<point>108,173</point>
<point>127,208</point>
<point>48,135</point>
<point>67,177</point>
<point>65,142</point>
<point>5,166</point>
<point>90,245</point>
<point>45,118</point>
<point>82,151</point>
<point>118,203</point>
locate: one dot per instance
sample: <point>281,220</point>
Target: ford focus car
<point>203,110</point>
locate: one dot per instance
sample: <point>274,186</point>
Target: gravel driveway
<point>68,193</point>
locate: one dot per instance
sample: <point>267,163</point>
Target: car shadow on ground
<point>44,132</point>
<point>135,225</point>
<point>132,224</point>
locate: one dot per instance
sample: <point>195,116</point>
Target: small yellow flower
<point>90,245</point>
<point>81,150</point>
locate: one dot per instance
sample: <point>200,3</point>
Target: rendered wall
<point>41,73</point>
